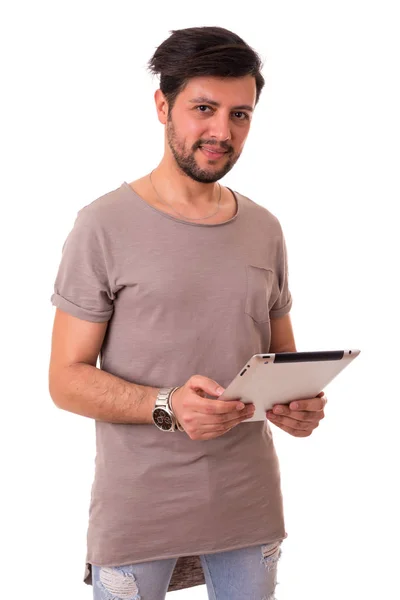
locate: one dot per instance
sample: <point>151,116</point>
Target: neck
<point>175,186</point>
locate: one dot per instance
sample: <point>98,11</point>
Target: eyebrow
<point>202,99</point>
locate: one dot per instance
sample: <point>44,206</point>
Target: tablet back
<point>269,379</point>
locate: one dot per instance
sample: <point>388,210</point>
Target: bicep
<point>73,341</point>
<point>282,337</point>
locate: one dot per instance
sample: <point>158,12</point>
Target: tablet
<point>269,379</point>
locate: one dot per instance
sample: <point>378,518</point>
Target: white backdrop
<point>77,119</point>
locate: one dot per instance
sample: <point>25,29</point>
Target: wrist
<point>178,424</point>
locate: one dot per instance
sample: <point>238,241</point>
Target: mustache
<point>221,145</point>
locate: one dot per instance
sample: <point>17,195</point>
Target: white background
<point>78,119</point>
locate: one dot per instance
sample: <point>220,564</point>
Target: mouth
<point>212,153</point>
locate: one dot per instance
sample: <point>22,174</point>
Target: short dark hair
<point>203,51</point>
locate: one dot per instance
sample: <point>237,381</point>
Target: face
<point>208,125</point>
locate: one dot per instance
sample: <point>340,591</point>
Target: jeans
<point>244,574</point>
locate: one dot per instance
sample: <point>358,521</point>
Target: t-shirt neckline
<point>168,216</point>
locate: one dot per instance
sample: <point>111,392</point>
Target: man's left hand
<point>300,420</point>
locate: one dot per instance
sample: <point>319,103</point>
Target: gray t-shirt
<point>181,299</point>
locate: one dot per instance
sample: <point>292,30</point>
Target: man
<point>175,281</point>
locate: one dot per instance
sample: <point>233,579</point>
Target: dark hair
<point>199,51</point>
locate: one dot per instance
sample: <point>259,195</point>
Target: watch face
<point>162,419</point>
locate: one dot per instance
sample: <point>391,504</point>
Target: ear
<point>161,106</point>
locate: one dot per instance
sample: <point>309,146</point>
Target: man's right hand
<point>204,418</point>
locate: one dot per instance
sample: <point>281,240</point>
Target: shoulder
<point>258,213</point>
<point>107,209</point>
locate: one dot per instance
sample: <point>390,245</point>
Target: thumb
<point>205,384</point>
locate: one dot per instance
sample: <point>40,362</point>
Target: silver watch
<point>163,415</point>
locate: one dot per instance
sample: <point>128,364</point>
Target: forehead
<point>229,91</point>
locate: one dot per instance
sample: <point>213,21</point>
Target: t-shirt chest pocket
<point>260,284</point>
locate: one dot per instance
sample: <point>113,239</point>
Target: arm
<point>282,338</point>
<point>78,386</point>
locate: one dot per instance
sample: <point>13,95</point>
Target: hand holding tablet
<point>300,417</point>
<point>281,378</point>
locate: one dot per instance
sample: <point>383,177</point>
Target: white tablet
<point>269,379</point>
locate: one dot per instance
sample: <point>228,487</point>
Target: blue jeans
<point>244,574</point>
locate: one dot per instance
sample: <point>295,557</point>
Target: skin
<point>300,420</point>
<point>188,178</point>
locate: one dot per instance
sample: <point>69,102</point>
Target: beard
<point>186,161</point>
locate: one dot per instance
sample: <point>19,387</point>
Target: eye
<point>202,106</point>
<point>244,117</point>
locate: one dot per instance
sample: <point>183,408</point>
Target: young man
<point>176,281</point>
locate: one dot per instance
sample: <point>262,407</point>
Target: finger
<point>292,423</point>
<point>305,416</point>
<point>280,409</point>
<point>291,430</point>
<point>311,404</point>
<point>215,407</point>
<point>234,416</point>
<point>220,407</point>
<point>227,422</point>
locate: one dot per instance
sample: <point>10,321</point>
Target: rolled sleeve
<point>283,303</point>
<point>82,285</point>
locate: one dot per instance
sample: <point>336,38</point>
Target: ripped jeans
<point>243,574</point>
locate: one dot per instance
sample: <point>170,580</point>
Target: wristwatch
<point>163,415</point>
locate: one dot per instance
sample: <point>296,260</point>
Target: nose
<point>220,128</point>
